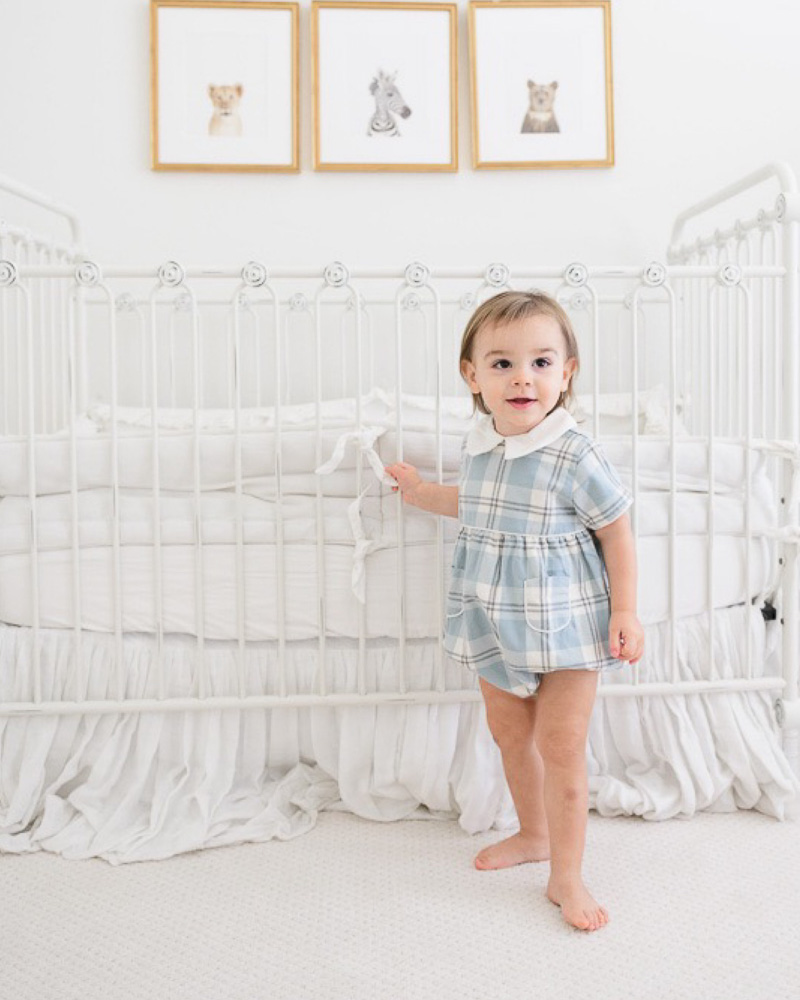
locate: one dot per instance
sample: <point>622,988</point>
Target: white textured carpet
<point>356,909</point>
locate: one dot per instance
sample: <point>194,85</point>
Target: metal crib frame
<point>46,290</point>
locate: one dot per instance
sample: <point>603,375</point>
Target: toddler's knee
<point>511,735</point>
<point>563,748</point>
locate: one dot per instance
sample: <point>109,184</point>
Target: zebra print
<point>388,103</point>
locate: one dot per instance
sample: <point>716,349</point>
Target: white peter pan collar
<point>483,437</point>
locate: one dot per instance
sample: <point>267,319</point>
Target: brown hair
<point>509,307</point>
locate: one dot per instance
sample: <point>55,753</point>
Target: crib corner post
<point>788,216</point>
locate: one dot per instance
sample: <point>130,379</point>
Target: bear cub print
<point>540,116</point>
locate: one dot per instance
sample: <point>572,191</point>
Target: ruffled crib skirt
<point>145,786</point>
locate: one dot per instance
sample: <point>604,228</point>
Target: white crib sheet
<point>220,571</point>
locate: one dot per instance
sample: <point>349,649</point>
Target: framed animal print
<point>540,79</point>
<point>385,85</point>
<point>224,85</point>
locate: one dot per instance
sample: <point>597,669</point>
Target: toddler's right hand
<point>409,481</point>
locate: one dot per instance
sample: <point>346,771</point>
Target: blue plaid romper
<point>528,589</point>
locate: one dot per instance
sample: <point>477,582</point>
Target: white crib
<point>216,617</point>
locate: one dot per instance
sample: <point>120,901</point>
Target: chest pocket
<point>548,607</point>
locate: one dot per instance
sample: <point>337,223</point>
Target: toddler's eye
<point>502,363</point>
<point>542,363</point>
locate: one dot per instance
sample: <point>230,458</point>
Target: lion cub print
<point>540,116</point>
<point>226,119</point>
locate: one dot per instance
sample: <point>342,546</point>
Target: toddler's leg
<point>511,722</point>
<point>566,698</point>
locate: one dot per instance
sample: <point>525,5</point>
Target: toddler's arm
<point>626,635</point>
<point>429,496</point>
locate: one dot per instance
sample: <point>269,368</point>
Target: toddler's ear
<point>468,374</point>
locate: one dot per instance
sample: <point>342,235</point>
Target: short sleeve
<point>598,494</point>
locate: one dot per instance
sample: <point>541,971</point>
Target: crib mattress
<point>70,594</point>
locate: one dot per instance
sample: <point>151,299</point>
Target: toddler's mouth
<point>521,402</point>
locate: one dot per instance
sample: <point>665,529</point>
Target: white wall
<point>704,91</point>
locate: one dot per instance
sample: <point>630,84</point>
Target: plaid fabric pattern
<point>529,590</point>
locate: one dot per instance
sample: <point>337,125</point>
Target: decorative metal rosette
<point>417,275</point>
<point>579,301</point>
<point>298,302</point>
<point>761,218</point>
<point>87,274</point>
<point>576,275</point>
<point>467,301</point>
<point>729,275</point>
<point>125,303</point>
<point>780,207</point>
<point>654,274</point>
<point>336,275</point>
<point>8,273</point>
<point>182,303</point>
<point>254,274</point>
<point>411,302</point>
<point>171,274</point>
<point>497,275</point>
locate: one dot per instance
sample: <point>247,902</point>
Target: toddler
<point>543,585</point>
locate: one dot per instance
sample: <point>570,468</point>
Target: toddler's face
<point>520,369</point>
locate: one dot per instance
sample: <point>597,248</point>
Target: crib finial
<point>417,274</point>
<point>654,274</point>
<point>576,274</point>
<point>336,275</point>
<point>729,275</point>
<point>88,274</point>
<point>8,273</point>
<point>254,274</point>
<point>171,274</point>
<point>497,275</point>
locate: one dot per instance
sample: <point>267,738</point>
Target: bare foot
<point>512,851</point>
<point>578,906</point>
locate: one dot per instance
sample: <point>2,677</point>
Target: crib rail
<point>21,238</point>
<point>121,384</point>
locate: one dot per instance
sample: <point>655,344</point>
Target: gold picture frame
<point>224,85</point>
<point>541,84</point>
<point>363,55</point>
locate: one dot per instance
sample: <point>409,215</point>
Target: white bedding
<point>379,515</point>
<point>179,568</point>
<point>359,541</point>
<point>218,456</point>
<point>217,461</point>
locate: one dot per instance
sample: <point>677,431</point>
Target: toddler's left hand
<point>625,636</point>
